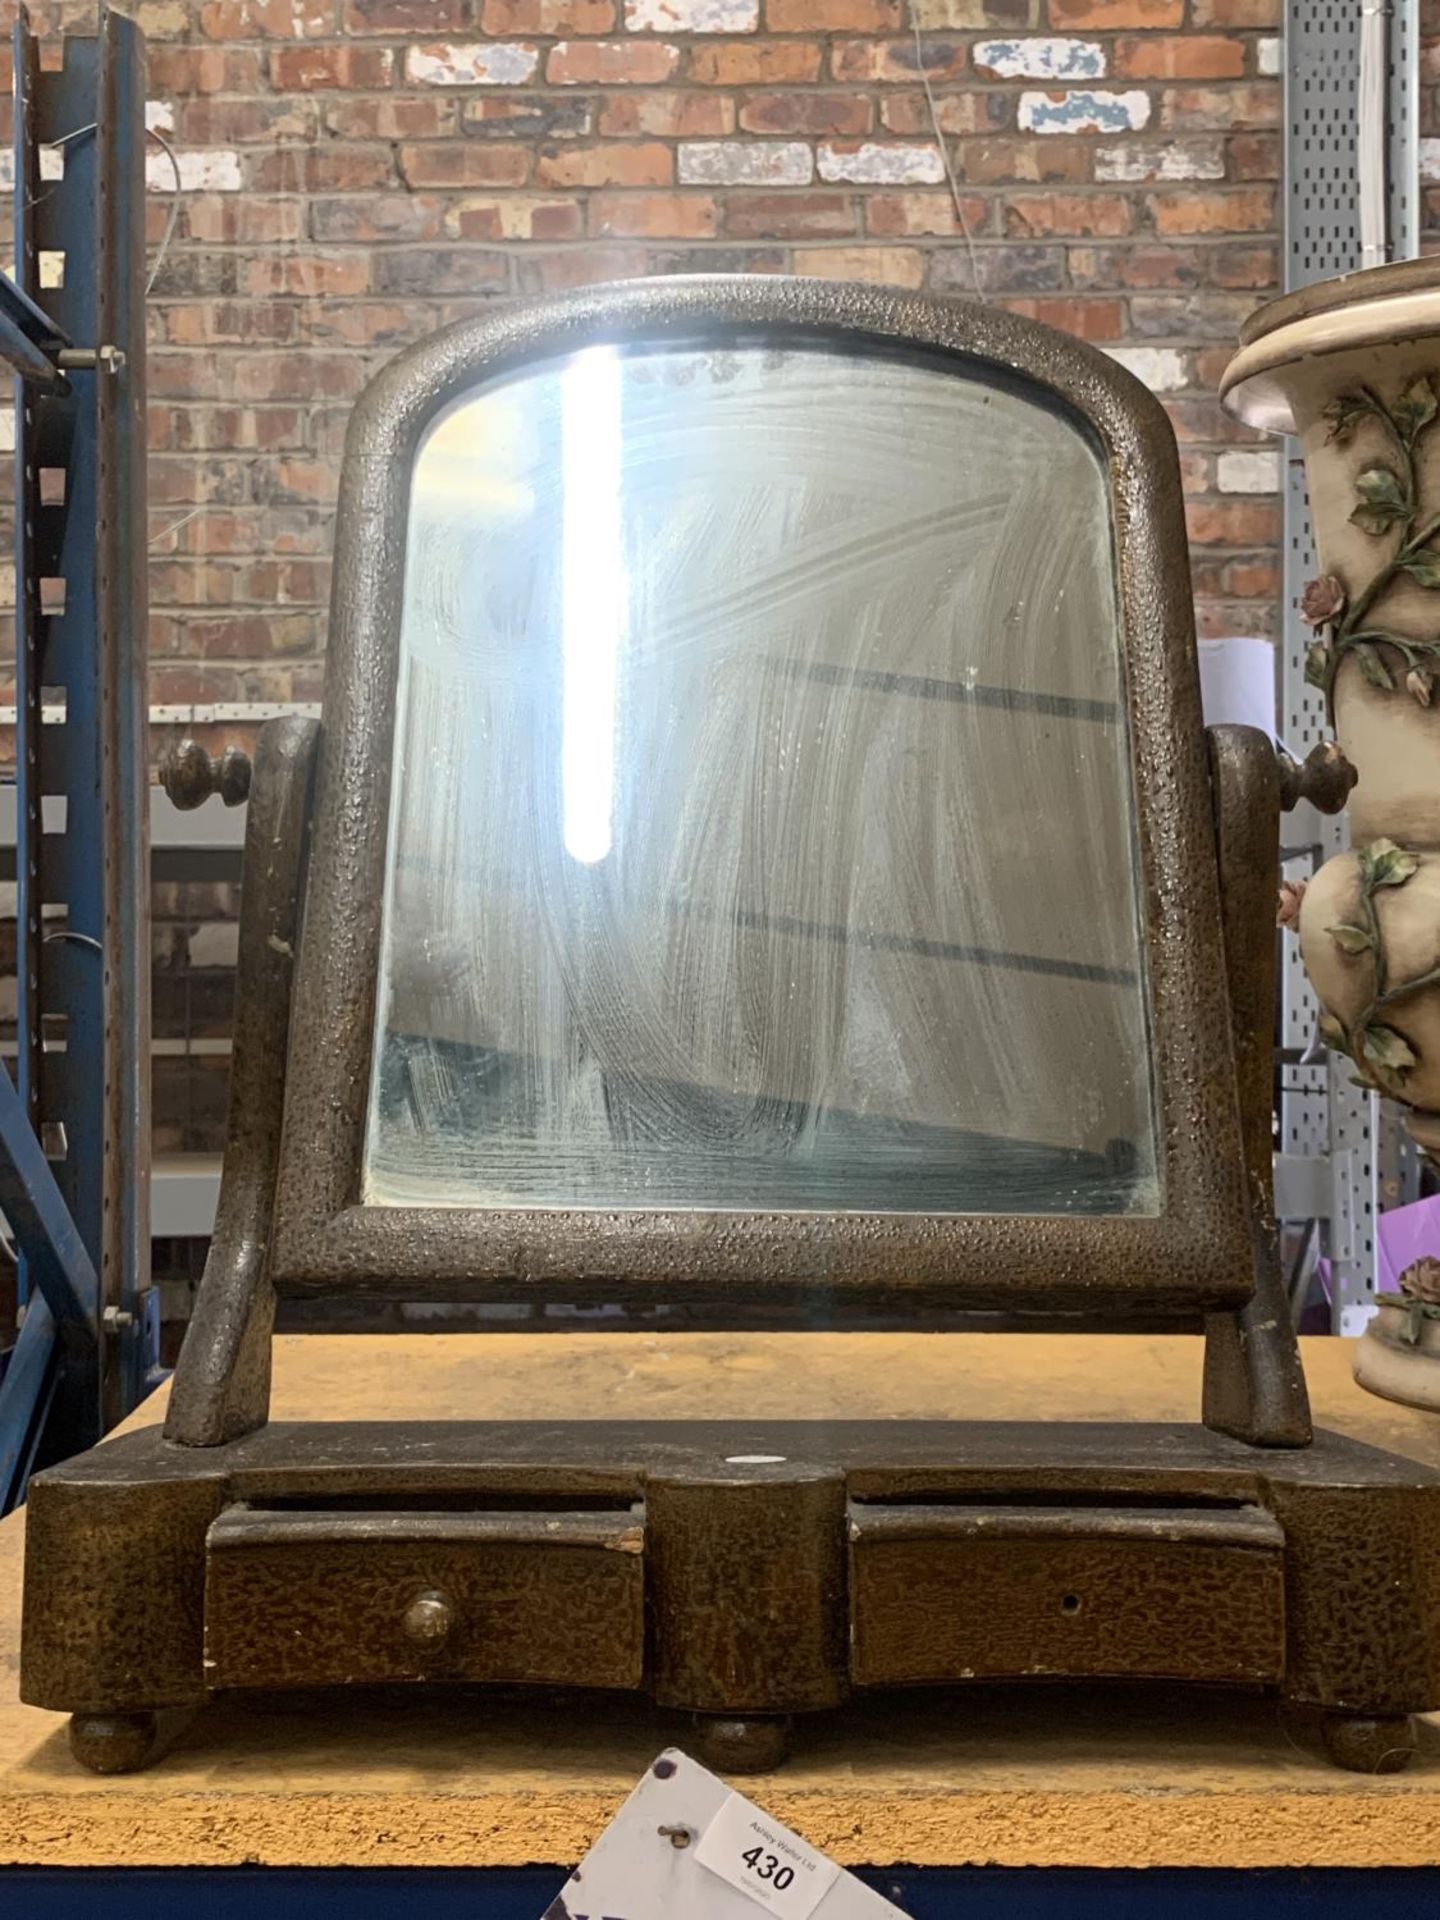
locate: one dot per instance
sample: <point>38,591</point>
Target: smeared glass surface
<point>761,832</point>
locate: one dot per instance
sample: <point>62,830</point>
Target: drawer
<point>971,1592</point>
<point>299,1598</point>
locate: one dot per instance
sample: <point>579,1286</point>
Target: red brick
<point>211,122</point>
<point>580,266</point>
<point>1242,210</point>
<point>1115,15</point>
<point>237,323</point>
<point>517,216</point>
<point>1236,13</point>
<point>391,117</point>
<point>1253,156</point>
<point>449,163</point>
<point>618,163</point>
<point>283,582</point>
<point>790,216</point>
<point>1131,266</point>
<point>310,275</point>
<point>1201,313</point>
<point>832,16</point>
<point>298,376</point>
<point>838,113</point>
<point>609,63</point>
<point>895,60</point>
<point>223,20</point>
<point>1006,266</point>
<point>1092,213</point>
<point>1185,57</point>
<point>433,271</point>
<point>302,480</point>
<point>384,216</point>
<point>674,116</point>
<point>1255,576</point>
<point>328,169</point>
<point>193,684</point>
<point>176,71</point>
<point>243,219</point>
<point>204,428</point>
<point>553,18</point>
<point>680,216</point>
<point>902,215</point>
<point>405,16</point>
<point>370,326</point>
<point>999,162</point>
<point>1204,109</point>
<point>1195,473</point>
<point>248,636</point>
<point>531,116</point>
<point>307,69</point>
<point>958,113</point>
<point>889,266</point>
<point>1233,523</point>
<point>1088,319</point>
<point>754,63</point>
<point>1241,266</point>
<point>713,259</point>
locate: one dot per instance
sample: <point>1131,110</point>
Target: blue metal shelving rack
<point>74,1125</point>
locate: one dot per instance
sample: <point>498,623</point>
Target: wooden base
<point>740,1572</point>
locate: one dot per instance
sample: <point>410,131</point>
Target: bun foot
<point>113,1742</point>
<point>1369,1743</point>
<point>748,1745</point>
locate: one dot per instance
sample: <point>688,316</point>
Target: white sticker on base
<point>765,1861</point>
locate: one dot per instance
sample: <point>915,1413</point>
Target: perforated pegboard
<point>1322,1114</point>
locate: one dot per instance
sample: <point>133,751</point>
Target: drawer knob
<point>429,1617</point>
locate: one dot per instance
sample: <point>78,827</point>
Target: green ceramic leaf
<point>1333,1034</point>
<point>1383,864</point>
<point>1343,413</point>
<point>1388,1055</point>
<point>1415,408</point>
<point>1382,500</point>
<point>1424,567</point>
<point>1317,666</point>
<point>1380,486</point>
<point>1351,939</point>
<point>1373,667</point>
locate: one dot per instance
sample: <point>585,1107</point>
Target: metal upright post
<point>122,646</point>
<point>78,348</point>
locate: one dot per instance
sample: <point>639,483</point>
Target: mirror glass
<point>762,830</point>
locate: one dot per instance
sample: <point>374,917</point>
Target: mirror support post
<point>222,1381</point>
<point>1254,1383</point>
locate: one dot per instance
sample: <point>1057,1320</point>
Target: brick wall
<point>355,173</point>
<point>358,172</point>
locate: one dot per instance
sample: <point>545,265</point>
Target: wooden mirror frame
<point>1196,1253</point>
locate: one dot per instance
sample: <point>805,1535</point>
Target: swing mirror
<point>738,845</point>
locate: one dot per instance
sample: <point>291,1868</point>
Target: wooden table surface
<point>1012,1776</point>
